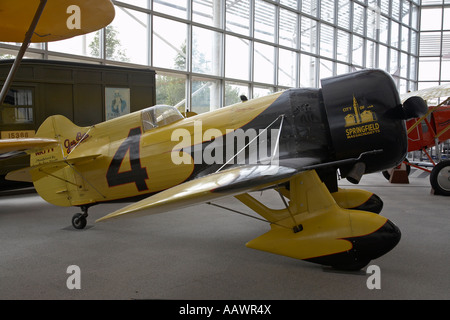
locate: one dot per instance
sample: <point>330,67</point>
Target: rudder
<point>54,183</point>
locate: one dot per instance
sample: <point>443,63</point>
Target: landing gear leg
<point>79,220</point>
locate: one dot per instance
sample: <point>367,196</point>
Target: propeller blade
<point>414,107</point>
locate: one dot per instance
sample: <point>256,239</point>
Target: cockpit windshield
<point>158,116</point>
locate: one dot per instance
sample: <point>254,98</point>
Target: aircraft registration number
<point>19,134</point>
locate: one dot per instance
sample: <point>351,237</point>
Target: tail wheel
<point>79,220</point>
<point>440,178</point>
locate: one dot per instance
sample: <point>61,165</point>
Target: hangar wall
<point>208,52</point>
<point>79,91</point>
<point>84,93</point>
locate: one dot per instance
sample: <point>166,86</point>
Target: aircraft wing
<point>224,183</point>
<point>56,20</point>
<point>429,93</point>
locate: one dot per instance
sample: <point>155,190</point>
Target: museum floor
<point>200,253</point>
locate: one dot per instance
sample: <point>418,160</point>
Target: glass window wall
<point>209,52</point>
<point>434,46</point>
<point>170,47</point>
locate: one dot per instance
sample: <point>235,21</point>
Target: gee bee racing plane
<point>293,141</point>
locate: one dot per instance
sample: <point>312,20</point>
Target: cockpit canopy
<point>158,116</point>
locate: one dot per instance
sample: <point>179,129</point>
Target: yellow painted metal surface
<point>351,198</point>
<point>9,145</point>
<point>321,235</point>
<point>61,19</point>
<point>88,153</point>
<point>325,224</point>
<point>189,193</point>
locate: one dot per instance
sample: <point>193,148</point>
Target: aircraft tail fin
<point>51,167</point>
<point>65,132</point>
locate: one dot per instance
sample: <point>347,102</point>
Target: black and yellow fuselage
<point>351,124</point>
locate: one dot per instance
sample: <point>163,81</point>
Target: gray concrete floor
<point>199,253</point>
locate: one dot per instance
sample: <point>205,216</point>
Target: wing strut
<point>296,228</point>
<point>251,141</point>
<point>245,214</point>
<point>23,48</point>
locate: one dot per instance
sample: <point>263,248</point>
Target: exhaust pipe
<point>355,174</point>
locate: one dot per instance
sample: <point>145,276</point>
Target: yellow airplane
<point>293,141</point>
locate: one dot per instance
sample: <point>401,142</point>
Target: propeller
<point>413,107</point>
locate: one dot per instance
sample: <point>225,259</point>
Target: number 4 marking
<point>137,174</point>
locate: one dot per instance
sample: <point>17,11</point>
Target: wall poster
<point>117,102</point>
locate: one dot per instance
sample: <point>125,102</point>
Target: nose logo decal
<point>360,120</point>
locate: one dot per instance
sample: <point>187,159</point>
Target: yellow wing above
<point>57,21</point>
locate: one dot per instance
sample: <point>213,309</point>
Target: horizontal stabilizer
<point>224,183</point>
<point>25,173</point>
<point>10,147</point>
